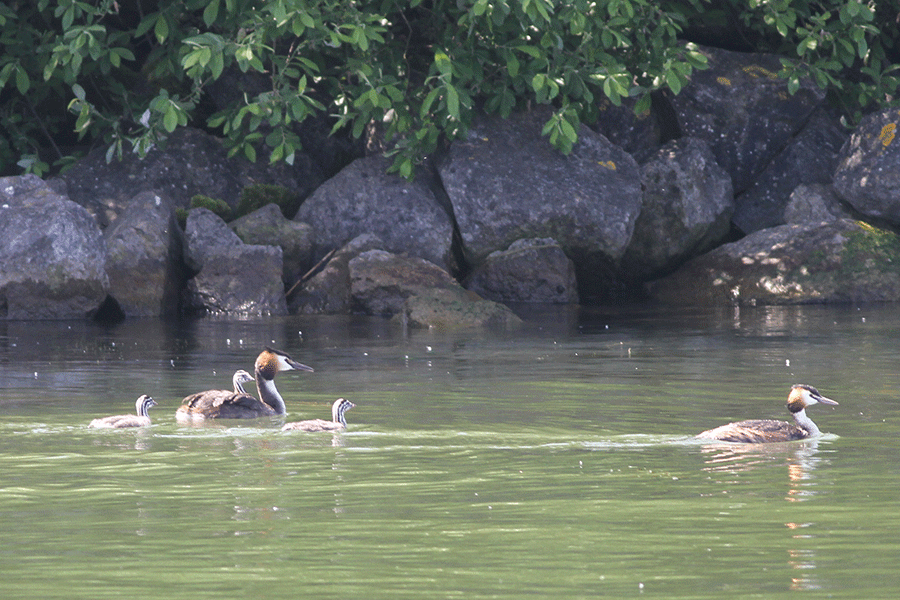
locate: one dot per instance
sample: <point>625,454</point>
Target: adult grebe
<point>215,398</point>
<point>340,406</point>
<point>141,419</point>
<point>759,431</point>
<point>222,404</point>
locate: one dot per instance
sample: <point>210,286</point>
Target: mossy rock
<point>257,195</point>
<point>219,207</point>
<point>453,309</point>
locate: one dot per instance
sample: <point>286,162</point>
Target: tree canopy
<point>126,74</point>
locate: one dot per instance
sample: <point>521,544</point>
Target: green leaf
<point>190,59</point>
<point>23,83</point>
<point>793,85</point>
<point>148,23</point>
<point>643,105</point>
<point>429,100</point>
<point>211,13</point>
<point>549,125</point>
<point>452,101</point>
<point>568,131</point>
<point>442,62</point>
<point>68,17</point>
<point>531,51</point>
<point>612,92</point>
<point>217,65</point>
<point>406,168</point>
<point>277,153</point>
<point>673,81</point>
<point>161,30</point>
<point>512,66</point>
<point>170,119</point>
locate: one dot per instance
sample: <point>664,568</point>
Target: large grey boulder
<point>449,308</point>
<point>815,203</point>
<point>190,162</point>
<point>145,257</point>
<point>868,174</point>
<point>686,209</point>
<point>743,110</point>
<point>364,198</point>
<point>837,261</point>
<point>506,182</point>
<point>531,270</point>
<point>268,226</point>
<point>380,281</point>
<point>418,293</point>
<point>639,135</point>
<point>809,158</point>
<point>232,277</point>
<point>206,235</point>
<point>52,254</point>
<point>328,290</point>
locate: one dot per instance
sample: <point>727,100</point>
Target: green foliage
<point>848,47</point>
<point>219,207</point>
<point>257,195</point>
<point>126,79</point>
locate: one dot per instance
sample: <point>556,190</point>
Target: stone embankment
<point>742,194</point>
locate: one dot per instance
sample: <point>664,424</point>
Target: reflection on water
<point>554,462</point>
<point>800,459</point>
<point>798,462</point>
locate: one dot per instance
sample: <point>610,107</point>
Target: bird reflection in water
<point>802,459</point>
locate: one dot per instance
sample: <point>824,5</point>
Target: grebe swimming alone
<point>759,431</point>
<point>337,422</point>
<point>141,419</point>
<point>222,404</point>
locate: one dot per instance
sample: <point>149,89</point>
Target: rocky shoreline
<point>732,192</point>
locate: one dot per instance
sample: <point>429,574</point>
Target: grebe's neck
<point>338,409</point>
<point>143,405</point>
<point>337,414</point>
<point>806,423</point>
<point>269,394</point>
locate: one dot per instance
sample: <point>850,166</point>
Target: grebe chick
<point>141,419</point>
<point>337,422</point>
<point>760,431</point>
<point>222,404</point>
<point>238,380</point>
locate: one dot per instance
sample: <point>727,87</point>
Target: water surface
<point>552,462</point>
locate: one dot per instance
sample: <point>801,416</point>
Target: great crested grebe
<point>340,406</point>
<point>222,404</point>
<point>141,419</point>
<point>760,431</point>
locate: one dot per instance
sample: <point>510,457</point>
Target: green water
<point>556,462</point>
